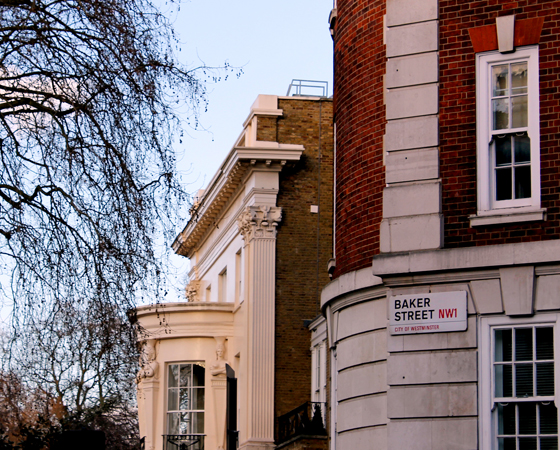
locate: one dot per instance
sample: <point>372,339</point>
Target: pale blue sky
<point>273,41</point>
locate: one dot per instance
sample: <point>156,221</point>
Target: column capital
<point>259,222</point>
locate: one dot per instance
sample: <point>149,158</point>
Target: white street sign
<point>428,312</point>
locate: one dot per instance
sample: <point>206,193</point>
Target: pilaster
<point>148,391</point>
<point>219,392</point>
<point>219,383</point>
<point>257,225</point>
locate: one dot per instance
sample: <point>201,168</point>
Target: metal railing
<point>308,88</point>
<point>183,442</point>
<point>297,422</point>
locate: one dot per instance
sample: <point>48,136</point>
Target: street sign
<point>428,313</point>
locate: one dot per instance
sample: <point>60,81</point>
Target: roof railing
<point>308,88</point>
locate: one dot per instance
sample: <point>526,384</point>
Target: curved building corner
<point>442,318</point>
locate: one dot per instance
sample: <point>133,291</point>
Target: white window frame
<point>192,410</point>
<point>486,391</point>
<point>319,372</point>
<point>516,210</point>
<point>319,355</point>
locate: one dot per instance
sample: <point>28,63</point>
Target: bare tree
<point>80,358</point>
<point>88,183</point>
<point>87,169</point>
<point>31,419</point>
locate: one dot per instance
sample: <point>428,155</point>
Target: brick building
<point>258,239</point>
<point>442,316</point>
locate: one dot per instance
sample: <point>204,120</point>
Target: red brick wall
<point>297,260</point>
<point>458,120</point>
<point>360,125</point>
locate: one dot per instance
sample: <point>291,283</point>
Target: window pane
<point>503,150</point>
<point>503,345</point>
<point>500,113</point>
<point>522,146</point>
<point>523,344</point>
<point>186,370</point>
<point>198,398</point>
<point>527,418</point>
<point>172,399</point>
<point>185,399</point>
<point>548,419</point>
<point>173,376</point>
<point>519,111</point>
<point>198,423</point>
<point>519,78</point>
<point>549,443</point>
<point>524,380</point>
<point>506,418</point>
<point>198,375</point>
<point>503,184</point>
<point>500,80</point>
<point>545,378</point>
<point>173,421</point>
<point>185,425</point>
<point>503,374</point>
<point>523,182</point>
<point>528,443</point>
<point>506,443</point>
<point>545,343</point>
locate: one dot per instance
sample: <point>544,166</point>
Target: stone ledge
<point>513,215</point>
<point>467,258</point>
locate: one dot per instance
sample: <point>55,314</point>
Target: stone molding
<point>148,361</point>
<point>192,291</point>
<point>470,258</point>
<point>258,222</point>
<point>218,368</point>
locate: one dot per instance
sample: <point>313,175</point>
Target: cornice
<point>229,230</point>
<point>263,112</point>
<point>185,319</point>
<point>183,307</point>
<point>266,156</point>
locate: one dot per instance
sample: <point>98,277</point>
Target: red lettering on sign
<point>447,313</point>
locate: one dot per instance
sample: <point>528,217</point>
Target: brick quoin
<point>458,120</point>
<point>360,125</point>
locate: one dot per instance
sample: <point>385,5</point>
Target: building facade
<point>258,239</point>
<point>442,316</point>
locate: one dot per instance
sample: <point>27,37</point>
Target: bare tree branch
<point>89,191</point>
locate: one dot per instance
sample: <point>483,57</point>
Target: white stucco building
<point>240,294</point>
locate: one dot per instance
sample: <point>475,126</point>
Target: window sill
<point>510,215</point>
